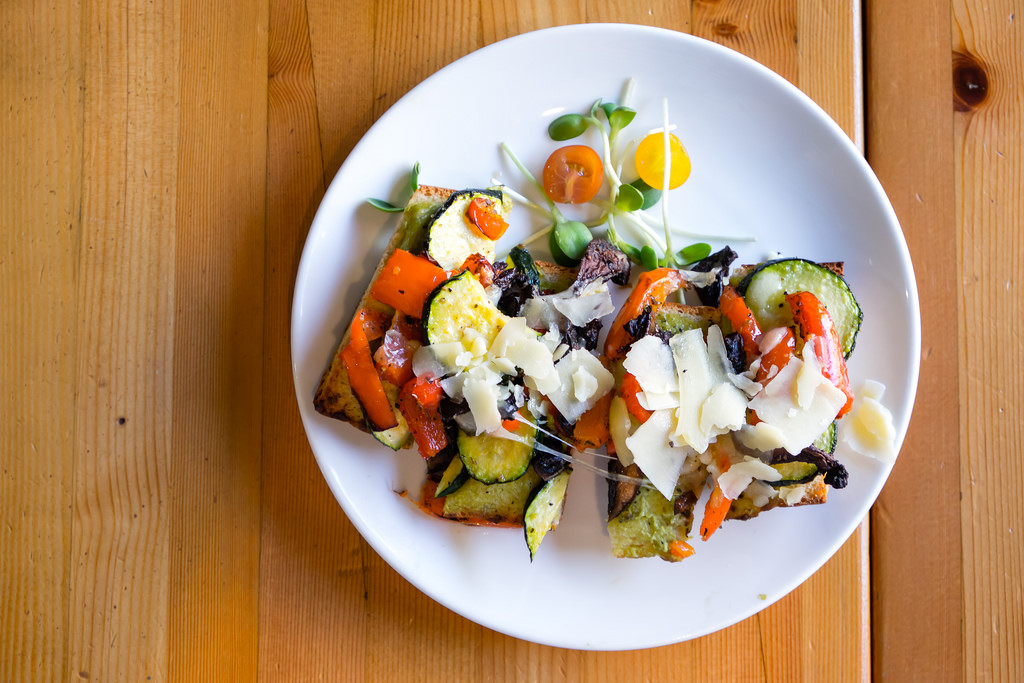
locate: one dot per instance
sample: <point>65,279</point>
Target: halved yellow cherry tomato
<point>650,161</point>
<point>573,174</point>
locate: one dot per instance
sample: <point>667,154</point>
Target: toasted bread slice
<point>334,396</point>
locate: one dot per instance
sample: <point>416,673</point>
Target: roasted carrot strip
<point>714,512</point>
<point>591,430</point>
<point>630,388</point>
<point>681,549</point>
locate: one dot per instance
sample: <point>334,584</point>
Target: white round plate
<point>767,164</point>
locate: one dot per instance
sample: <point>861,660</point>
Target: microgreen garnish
<point>625,204</point>
<point>413,185</point>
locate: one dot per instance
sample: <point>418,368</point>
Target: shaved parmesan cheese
<point>650,400</point>
<point>659,461</point>
<point>619,426</point>
<point>595,301</point>
<point>649,359</point>
<point>579,373</point>
<point>693,373</point>
<point>868,428</point>
<point>739,476</point>
<point>783,420</point>
<point>482,398</point>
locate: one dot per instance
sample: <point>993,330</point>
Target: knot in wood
<point>970,82</point>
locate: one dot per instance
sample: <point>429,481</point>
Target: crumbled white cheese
<point>868,428</point>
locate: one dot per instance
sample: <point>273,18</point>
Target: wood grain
<point>161,515</point>
<point>40,228</point>
<point>219,249</point>
<point>910,147</point>
<point>988,128</point>
<point>119,554</point>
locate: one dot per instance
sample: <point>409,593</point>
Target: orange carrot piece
<point>405,282</point>
<point>630,388</point>
<point>681,549</point>
<point>714,512</point>
<point>591,430</point>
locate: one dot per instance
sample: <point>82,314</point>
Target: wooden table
<point>161,515</point>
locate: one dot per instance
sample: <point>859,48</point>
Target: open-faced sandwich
<point>487,366</point>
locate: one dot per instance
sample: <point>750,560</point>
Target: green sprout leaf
<point>572,238</point>
<point>414,178</point>
<point>651,194</point>
<point>648,257</point>
<point>629,199</point>
<point>567,127</point>
<point>694,252</point>
<point>609,109</point>
<point>619,118</point>
<point>383,205</point>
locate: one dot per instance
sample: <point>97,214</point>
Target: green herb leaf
<point>651,195</point>
<point>629,198</point>
<point>619,118</point>
<point>693,252</point>
<point>572,238</point>
<point>567,127</point>
<point>593,110</point>
<point>414,177</point>
<point>609,109</point>
<point>383,205</point>
<point>648,257</point>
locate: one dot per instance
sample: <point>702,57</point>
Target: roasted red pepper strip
<point>405,281</point>
<point>420,400</point>
<point>630,388</point>
<point>394,356</point>
<point>362,373</point>
<point>735,309</point>
<point>776,358</point>
<point>483,216</point>
<point>819,332</point>
<point>481,267</point>
<point>651,289</point>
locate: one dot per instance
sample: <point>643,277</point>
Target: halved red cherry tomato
<point>650,161</point>
<point>573,174</point>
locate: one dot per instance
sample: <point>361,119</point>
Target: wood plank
<point>312,609</point>
<point>916,565</point>
<point>989,171</point>
<point>40,224</point>
<point>119,567</point>
<point>216,441</point>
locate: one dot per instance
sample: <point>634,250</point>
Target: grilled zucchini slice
<point>544,509</point>
<point>765,290</point>
<point>451,238</point>
<point>457,304</point>
<point>491,459</point>
<point>455,475</point>
<point>496,504</point>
